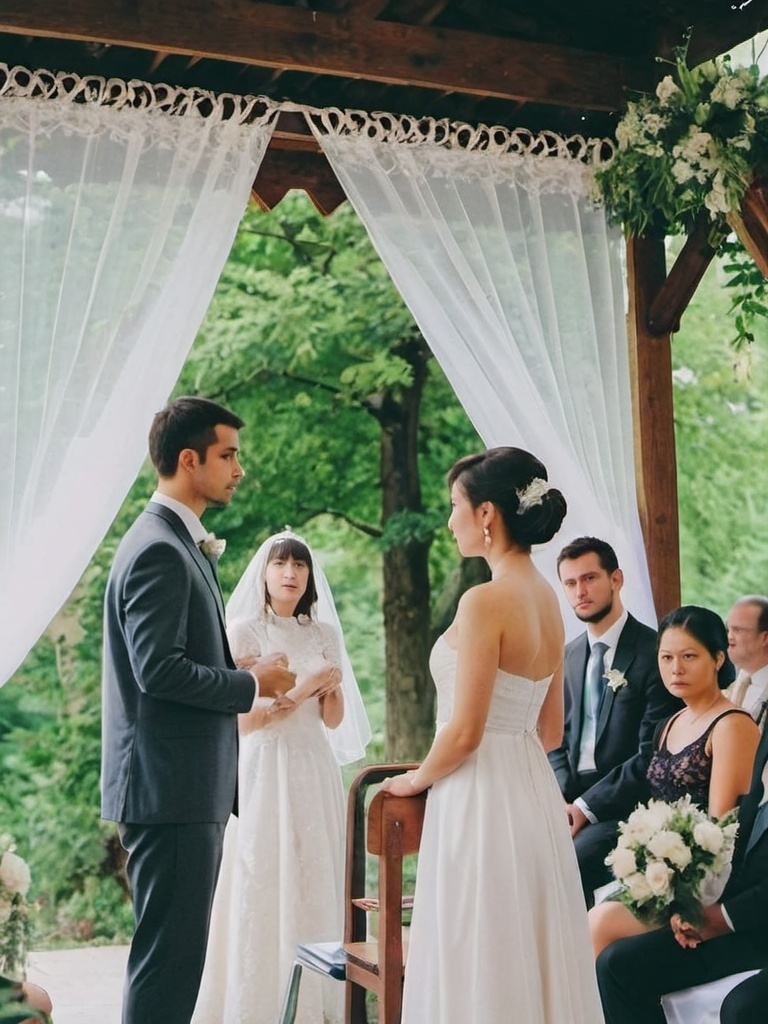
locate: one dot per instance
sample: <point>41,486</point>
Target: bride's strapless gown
<point>499,932</point>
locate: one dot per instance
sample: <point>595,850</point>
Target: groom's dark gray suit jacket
<point>171,692</point>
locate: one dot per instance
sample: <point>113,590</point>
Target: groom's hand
<point>272,675</point>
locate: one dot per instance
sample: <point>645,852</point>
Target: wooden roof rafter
<point>351,46</point>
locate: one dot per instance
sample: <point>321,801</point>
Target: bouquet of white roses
<point>672,858</point>
<point>14,911</point>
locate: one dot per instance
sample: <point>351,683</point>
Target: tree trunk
<point>410,700</point>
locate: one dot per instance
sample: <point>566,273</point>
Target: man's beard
<point>597,616</point>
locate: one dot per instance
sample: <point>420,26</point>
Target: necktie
<point>593,690</point>
<point>740,687</point>
<point>595,678</point>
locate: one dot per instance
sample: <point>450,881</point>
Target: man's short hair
<point>186,422</point>
<point>590,545</point>
<point>761,603</point>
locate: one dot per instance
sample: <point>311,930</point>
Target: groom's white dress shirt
<point>197,531</point>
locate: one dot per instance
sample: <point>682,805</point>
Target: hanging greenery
<point>697,144</point>
<point>690,150</point>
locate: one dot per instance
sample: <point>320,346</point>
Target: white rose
<point>638,887</point>
<point>622,861</point>
<point>681,171</point>
<point>708,836</point>
<point>716,201</point>
<point>658,876</point>
<point>14,873</point>
<point>666,89</point>
<point>666,845</point>
<point>695,145</point>
<point>728,92</point>
<point>640,826</point>
<point>653,123</point>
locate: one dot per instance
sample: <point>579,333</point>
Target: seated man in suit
<point>748,650</point>
<point>634,973</point>
<point>614,698</point>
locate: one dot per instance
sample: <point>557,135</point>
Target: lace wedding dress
<point>281,879</point>
<point>499,932</point>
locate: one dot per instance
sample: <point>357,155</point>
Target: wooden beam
<point>751,223</point>
<point>284,169</point>
<point>653,411</point>
<point>683,279</point>
<point>282,37</point>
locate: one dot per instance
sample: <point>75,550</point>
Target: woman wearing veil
<point>281,879</point>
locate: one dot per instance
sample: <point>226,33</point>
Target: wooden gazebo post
<point>650,357</point>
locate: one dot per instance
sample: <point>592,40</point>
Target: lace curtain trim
<point>67,88</point>
<point>538,162</point>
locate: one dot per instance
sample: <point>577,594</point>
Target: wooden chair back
<point>392,832</point>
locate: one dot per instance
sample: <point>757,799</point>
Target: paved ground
<point>85,984</point>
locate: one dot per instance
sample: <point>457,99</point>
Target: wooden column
<point>651,374</point>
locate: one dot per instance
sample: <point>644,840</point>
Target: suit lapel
<point>622,659</point>
<point>203,564</point>
<point>753,818</point>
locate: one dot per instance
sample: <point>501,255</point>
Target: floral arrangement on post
<point>697,144</point>
<point>672,858</point>
<point>14,910</point>
<point>691,151</point>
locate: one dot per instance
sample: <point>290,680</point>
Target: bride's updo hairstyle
<point>516,483</point>
<point>288,546</point>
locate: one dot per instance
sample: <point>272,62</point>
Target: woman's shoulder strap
<point>724,714</point>
<point>662,729</point>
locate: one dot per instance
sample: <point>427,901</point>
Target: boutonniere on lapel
<point>212,546</point>
<point>615,679</point>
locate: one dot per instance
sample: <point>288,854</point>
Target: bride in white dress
<point>282,870</point>
<point>499,932</point>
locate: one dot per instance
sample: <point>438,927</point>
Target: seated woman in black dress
<point>706,750</point>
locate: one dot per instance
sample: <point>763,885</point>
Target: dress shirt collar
<point>196,529</point>
<point>611,636</point>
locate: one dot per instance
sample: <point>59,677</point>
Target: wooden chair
<point>394,830</point>
<point>389,829</point>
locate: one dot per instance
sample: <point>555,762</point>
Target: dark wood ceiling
<point>563,65</point>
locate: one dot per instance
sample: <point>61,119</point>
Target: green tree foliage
<point>721,426</point>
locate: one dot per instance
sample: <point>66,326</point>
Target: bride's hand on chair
<point>401,785</point>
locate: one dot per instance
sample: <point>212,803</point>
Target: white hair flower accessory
<point>532,494</point>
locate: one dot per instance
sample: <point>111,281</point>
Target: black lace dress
<point>670,776</point>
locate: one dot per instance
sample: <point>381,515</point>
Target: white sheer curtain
<point>119,203</point>
<point>516,281</point>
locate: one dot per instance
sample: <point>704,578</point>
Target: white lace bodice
<point>515,704</point>
<point>308,645</point>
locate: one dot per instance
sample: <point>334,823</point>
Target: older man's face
<point>747,645</point>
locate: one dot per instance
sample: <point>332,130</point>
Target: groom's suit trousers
<point>172,870</point>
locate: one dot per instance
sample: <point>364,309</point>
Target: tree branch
<point>366,528</point>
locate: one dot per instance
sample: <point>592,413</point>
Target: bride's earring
<point>487,536</point>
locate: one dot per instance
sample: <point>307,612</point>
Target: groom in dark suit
<point>171,694</point>
<point>614,698</point>
<point>635,973</point>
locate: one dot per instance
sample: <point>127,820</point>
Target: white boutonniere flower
<point>615,679</point>
<point>212,546</point>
